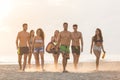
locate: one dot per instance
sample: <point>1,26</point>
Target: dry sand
<point>108,71</point>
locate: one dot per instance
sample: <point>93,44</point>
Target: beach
<point>86,71</point>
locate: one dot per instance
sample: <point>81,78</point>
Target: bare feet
<point>29,65</point>
<point>20,68</point>
<point>65,71</point>
<point>43,70</point>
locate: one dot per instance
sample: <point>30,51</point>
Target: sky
<point>50,16</point>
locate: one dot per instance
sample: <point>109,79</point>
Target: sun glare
<point>4,28</point>
<point>5,8</point>
<point>55,2</point>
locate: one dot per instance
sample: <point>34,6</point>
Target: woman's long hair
<point>31,33</point>
<point>55,33</point>
<point>100,35</point>
<point>41,33</point>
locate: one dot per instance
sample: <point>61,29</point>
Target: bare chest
<point>23,35</point>
<point>65,35</point>
<point>76,35</point>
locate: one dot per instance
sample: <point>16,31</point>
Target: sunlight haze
<point>51,14</point>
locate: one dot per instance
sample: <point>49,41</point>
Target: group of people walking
<point>28,44</point>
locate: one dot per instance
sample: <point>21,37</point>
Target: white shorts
<point>97,48</point>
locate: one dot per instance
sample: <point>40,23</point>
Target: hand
<point>103,56</point>
<point>91,51</point>
<point>29,48</point>
<point>104,51</point>
<point>82,49</point>
<point>32,47</point>
<point>17,47</point>
<point>57,46</point>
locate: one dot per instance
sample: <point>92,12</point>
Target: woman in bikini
<point>39,48</point>
<point>51,48</point>
<point>97,46</point>
<point>56,54</point>
<point>31,38</point>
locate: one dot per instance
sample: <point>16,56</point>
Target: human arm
<point>59,40</point>
<point>92,42</point>
<point>33,42</point>
<point>29,40</point>
<point>17,39</point>
<point>103,48</point>
<point>81,43</point>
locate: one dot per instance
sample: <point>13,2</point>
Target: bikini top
<point>98,40</point>
<point>38,41</point>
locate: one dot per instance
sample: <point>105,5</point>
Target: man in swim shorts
<point>77,40</point>
<point>64,39</point>
<point>22,44</point>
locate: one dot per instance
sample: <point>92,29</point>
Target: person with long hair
<point>97,46</point>
<point>39,48</point>
<point>31,38</point>
<point>52,47</point>
<point>56,54</point>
